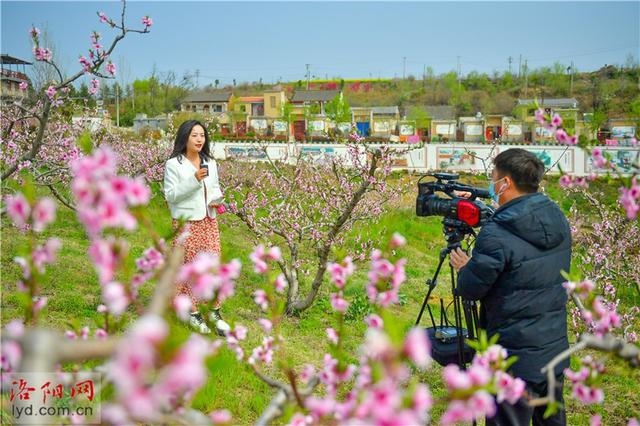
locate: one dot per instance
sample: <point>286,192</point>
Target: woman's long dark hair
<point>182,136</point>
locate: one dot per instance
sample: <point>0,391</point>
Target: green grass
<point>74,293</point>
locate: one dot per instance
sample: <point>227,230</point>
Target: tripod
<point>441,337</point>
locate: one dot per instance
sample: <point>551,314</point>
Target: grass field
<point>74,293</point>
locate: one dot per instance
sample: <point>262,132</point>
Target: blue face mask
<point>492,192</point>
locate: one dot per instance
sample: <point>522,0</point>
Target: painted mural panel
<point>445,129</point>
<point>319,154</point>
<point>407,129</point>
<point>555,158</point>
<point>463,159</point>
<point>279,126</point>
<point>622,158</point>
<point>245,152</point>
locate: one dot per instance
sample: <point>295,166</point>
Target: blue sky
<point>272,40</point>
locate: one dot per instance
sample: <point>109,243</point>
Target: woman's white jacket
<point>185,195</point>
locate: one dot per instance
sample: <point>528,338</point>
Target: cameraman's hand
<point>462,194</point>
<point>201,174</point>
<point>458,258</point>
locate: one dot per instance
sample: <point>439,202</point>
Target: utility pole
<point>404,67</point>
<point>510,59</point>
<point>520,67</point>
<point>308,74</point>
<point>571,79</point>
<point>197,78</point>
<point>458,69</point>
<point>526,77</point>
<point>424,75</point>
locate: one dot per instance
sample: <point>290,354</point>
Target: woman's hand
<point>201,174</point>
<point>220,208</point>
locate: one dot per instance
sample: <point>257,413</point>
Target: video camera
<point>458,211</point>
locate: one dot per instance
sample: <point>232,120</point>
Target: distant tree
<point>420,116</point>
<point>338,109</point>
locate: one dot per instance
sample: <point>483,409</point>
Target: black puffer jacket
<point>515,272</point>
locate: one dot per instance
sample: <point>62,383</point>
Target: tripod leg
<point>432,284</point>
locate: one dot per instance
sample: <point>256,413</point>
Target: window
<point>272,101</point>
<point>217,108</point>
<point>243,108</point>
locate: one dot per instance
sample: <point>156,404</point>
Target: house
<point>471,129</point>
<point>567,108</point>
<point>512,129</point>
<point>384,120</point>
<point>443,123</point>
<point>12,74</point>
<point>493,127</point>
<point>206,102</point>
<point>308,111</point>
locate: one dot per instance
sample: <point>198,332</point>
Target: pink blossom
<point>373,321</point>
<point>573,140</point>
<point>397,240</point>
<point>86,64</point>
<point>481,404</point>
<point>106,255</point>
<point>23,86</point>
<point>595,420</point>
<point>182,306</point>
<point>565,181</point>
<point>338,303</point>
<point>46,254</point>
<point>11,355</point>
<point>260,298</point>
<point>457,412</point>
<point>588,395</point>
<point>39,303</point>
<point>280,283</point>
<point>417,347</point>
<point>300,419</point>
<point>147,21</point>
<point>456,379</point>
<point>34,32</point>
<point>332,335</point>
<point>220,417</point>
<point>114,297</point>
<point>339,272</point>
<point>257,257</point>
<point>320,407</point>
<point>422,400</point>
<point>151,329</point>
<point>376,344</point>
<point>18,209</point>
<point>71,335</point>
<point>94,86</point>
<point>14,329</point>
<point>509,389</point>
<point>44,213</point>
<point>307,373</point>
<point>100,333</point>
<point>42,54</point>
<point>103,17</point>
<point>561,136</point>
<point>539,116</point>
<point>556,120</point>
<point>633,422</point>
<point>265,324</point>
<point>111,68</point>
<point>51,92</point>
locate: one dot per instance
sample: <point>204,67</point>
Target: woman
<point>193,193</point>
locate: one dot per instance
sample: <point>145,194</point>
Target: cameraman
<point>514,271</point>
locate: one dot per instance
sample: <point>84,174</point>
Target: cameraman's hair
<point>524,168</point>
